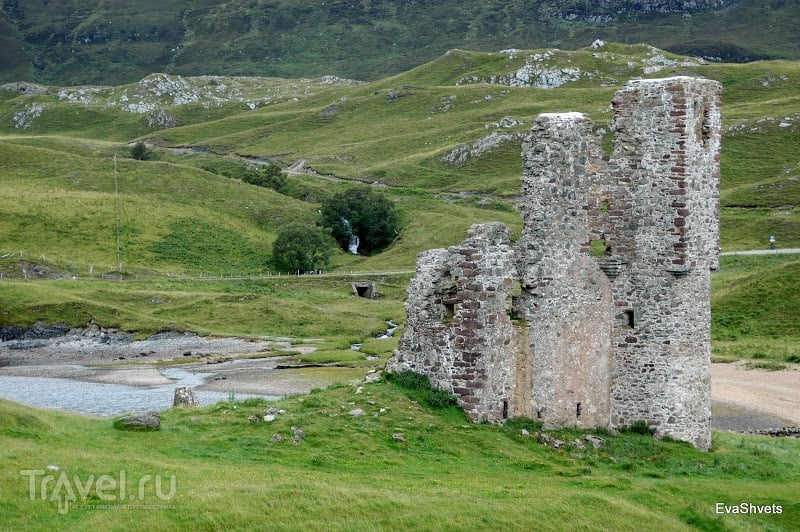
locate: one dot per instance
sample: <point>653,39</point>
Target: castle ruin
<point>600,315</point>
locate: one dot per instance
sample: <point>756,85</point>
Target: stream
<point>108,399</point>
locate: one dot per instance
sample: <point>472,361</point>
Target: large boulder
<point>145,421</point>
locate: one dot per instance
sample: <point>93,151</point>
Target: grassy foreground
<point>352,473</point>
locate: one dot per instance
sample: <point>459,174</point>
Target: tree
<point>363,213</point>
<point>270,176</point>
<point>301,248</point>
<point>139,151</point>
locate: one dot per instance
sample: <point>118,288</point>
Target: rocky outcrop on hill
<point>156,94</point>
<point>554,68</point>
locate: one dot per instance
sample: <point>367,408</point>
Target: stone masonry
<point>599,316</point>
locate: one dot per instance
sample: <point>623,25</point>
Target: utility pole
<point>116,211</point>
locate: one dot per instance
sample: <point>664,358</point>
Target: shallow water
<point>104,399</point>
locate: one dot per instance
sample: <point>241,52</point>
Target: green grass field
<point>350,473</point>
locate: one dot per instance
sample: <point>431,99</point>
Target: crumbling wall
<point>611,321</point>
<point>458,329</point>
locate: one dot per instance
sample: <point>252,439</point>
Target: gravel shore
<point>234,365</point>
<point>742,399</point>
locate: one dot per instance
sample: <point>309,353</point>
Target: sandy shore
<point>734,388</point>
<point>225,364</point>
<point>742,399</point>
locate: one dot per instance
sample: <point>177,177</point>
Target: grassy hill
<point>441,140</point>
<point>74,42</point>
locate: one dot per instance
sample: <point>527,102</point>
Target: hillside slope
<point>113,42</point>
<point>442,141</point>
<point>440,138</point>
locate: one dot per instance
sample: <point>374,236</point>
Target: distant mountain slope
<point>112,41</point>
<point>442,140</point>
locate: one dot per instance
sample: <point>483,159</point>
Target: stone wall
<point>458,329</point>
<point>600,315</point>
<point>666,152</point>
<point>566,299</point>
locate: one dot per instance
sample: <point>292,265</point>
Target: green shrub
<point>360,212</point>
<point>419,387</point>
<point>518,423</point>
<point>140,152</point>
<point>271,176</point>
<point>301,248</point>
<point>639,427</point>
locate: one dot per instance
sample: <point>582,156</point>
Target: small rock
<point>399,437</point>
<point>253,419</point>
<point>269,418</point>
<point>525,433</point>
<point>373,403</point>
<point>360,389</point>
<point>596,441</point>
<point>300,433</point>
<point>184,398</point>
<point>272,410</point>
<point>140,422</point>
<point>356,412</point>
<point>277,438</point>
<point>372,377</point>
<point>296,440</point>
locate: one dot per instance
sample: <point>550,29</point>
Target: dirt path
<point>754,396</point>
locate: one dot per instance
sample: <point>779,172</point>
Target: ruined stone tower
<point>600,315</point>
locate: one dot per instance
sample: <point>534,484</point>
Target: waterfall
<point>354,242</point>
